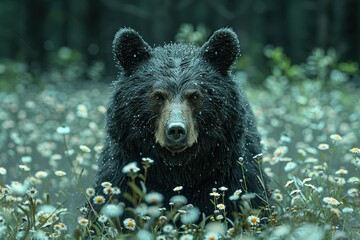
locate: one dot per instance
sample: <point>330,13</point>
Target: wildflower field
<point>309,119</point>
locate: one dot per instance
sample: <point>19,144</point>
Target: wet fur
<point>225,127</point>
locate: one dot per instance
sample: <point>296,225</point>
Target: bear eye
<point>195,96</point>
<point>159,97</point>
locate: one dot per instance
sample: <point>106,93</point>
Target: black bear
<point>178,105</point>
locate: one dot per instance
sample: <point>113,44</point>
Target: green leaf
<point>136,190</point>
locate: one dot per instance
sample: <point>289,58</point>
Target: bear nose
<point>176,132</point>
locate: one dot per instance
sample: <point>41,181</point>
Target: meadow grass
<point>51,137</point>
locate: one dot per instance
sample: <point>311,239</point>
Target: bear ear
<point>222,49</point>
<point>129,50</point>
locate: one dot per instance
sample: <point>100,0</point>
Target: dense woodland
<point>31,30</point>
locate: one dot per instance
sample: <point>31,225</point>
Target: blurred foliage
<point>65,66</point>
<point>188,34</point>
<point>30,31</point>
<point>12,73</point>
<point>321,65</point>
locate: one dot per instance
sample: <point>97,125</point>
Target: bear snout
<point>176,136</point>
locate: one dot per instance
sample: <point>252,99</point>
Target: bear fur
<point>178,105</point>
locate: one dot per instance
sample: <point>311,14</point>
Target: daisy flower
<point>248,196</point>
<point>331,201</point>
<point>341,171</point>
<point>102,218</point>
<point>355,150</point>
<point>130,168</point>
<point>106,184</point>
<point>178,189</point>
<point>60,227</point>
<point>280,151</point>
<point>116,190</point>
<point>353,180</point>
<point>305,180</point>
<point>64,130</point>
<point>190,216</point>
<point>290,166</point>
<point>83,221</point>
<point>90,192</point>
<point>63,226</point>
<point>310,186</point>
<point>335,211</point>
<point>60,173</point>
<point>144,235</point>
<point>167,228</point>
<point>231,231</point>
<point>335,137</point>
<point>55,235</point>
<point>83,210</point>
<point>277,196</point>
<point>129,224</point>
<point>234,197</point>
<point>147,160</point>
<point>26,159</point>
<point>32,192</point>
<point>84,148</point>
<point>82,111</point>
<point>57,227</point>
<point>2,171</point>
<point>323,146</point>
<point>6,191</point>
<point>187,237</point>
<point>238,192</point>
<point>347,210</point>
<point>253,220</point>
<point>154,198</point>
<point>341,181</point>
<point>41,174</point>
<point>178,200</point>
<point>112,210</point>
<point>221,206</point>
<point>99,199</point>
<point>108,190</point>
<point>219,217</point>
<point>215,194</point>
<point>211,236</point>
<point>288,183</point>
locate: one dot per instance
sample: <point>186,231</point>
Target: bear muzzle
<point>176,137</point>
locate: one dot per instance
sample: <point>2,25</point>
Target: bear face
<point>182,97</point>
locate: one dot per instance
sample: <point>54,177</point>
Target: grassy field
<point>51,136</point>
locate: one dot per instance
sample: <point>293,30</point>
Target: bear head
<point>175,101</point>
